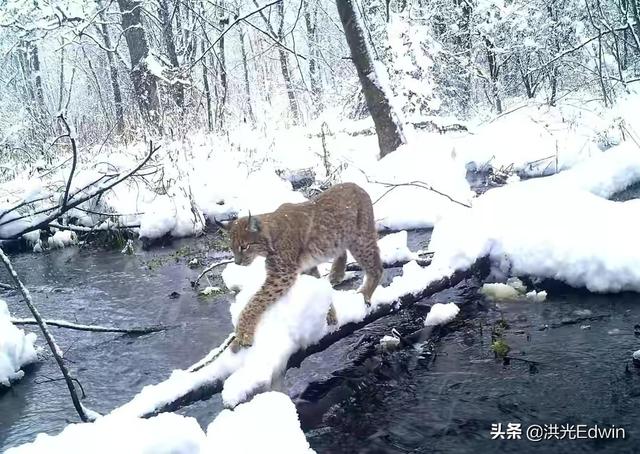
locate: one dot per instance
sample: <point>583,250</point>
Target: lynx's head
<point>247,239</point>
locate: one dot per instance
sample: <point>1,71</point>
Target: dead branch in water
<point>55,350</point>
<point>209,269</point>
<point>207,389</point>
<point>92,328</point>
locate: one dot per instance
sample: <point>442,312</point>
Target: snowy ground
<point>209,176</point>
<point>17,349</point>
<point>270,420</point>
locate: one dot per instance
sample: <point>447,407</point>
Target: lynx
<point>296,238</point>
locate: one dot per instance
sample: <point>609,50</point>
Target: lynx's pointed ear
<point>222,225</point>
<point>253,224</point>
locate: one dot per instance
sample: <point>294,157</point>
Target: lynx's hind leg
<point>337,269</point>
<point>367,254</point>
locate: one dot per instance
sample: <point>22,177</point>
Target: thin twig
<point>419,184</point>
<point>73,163</point>
<point>208,269</point>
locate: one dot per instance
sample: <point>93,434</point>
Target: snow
<point>268,423</point>
<point>441,314</point>
<point>499,291</point>
<point>411,206</point>
<point>389,342</point>
<point>166,433</point>
<point>530,138</point>
<point>17,349</point>
<point>393,248</point>
<point>570,242</point>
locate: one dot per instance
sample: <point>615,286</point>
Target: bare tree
<point>144,83</point>
<point>388,128</point>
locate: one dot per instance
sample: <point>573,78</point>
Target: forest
<point>497,140</point>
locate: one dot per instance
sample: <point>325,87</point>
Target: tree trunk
<point>207,89</point>
<point>284,65</point>
<point>388,128</point>
<point>113,73</point>
<point>144,83</point>
<point>247,86</point>
<point>311,21</point>
<point>494,72</point>
<point>177,89</point>
<point>35,66</point>
<point>222,104</point>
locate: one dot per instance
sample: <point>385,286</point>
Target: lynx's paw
<point>243,339</point>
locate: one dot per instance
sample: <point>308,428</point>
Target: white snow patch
<point>411,166</point>
<point>568,242</point>
<point>167,433</point>
<point>17,349</point>
<point>441,314</point>
<point>499,291</point>
<point>268,423</point>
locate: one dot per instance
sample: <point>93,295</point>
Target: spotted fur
<point>297,237</point>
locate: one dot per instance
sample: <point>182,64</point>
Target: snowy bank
<point>17,349</point>
<point>268,423</point>
<point>556,227</point>
<point>406,205</point>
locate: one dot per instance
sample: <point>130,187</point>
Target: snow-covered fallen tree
<point>17,349</point>
<point>268,423</point>
<point>291,330</point>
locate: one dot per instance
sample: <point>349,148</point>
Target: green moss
<point>500,348</point>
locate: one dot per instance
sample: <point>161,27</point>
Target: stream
<point>440,395</point>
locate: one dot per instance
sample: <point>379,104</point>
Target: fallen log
<point>209,386</point>
<point>93,328</point>
<point>399,264</point>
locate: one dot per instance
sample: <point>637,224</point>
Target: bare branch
<point>92,328</point>
<point>55,350</point>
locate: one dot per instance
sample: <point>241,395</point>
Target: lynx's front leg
<point>277,283</point>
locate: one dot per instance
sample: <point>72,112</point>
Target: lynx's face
<point>247,241</point>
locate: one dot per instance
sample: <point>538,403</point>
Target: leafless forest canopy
<point>130,70</point>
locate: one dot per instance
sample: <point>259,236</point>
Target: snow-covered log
<point>184,387</point>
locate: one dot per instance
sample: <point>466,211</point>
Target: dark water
<point>352,397</point>
<point>447,401</point>
<point>112,289</point>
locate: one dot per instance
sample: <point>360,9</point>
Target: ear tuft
<point>254,225</point>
